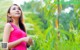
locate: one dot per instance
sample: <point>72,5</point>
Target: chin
<point>17,16</point>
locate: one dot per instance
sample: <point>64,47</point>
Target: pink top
<point>15,35</point>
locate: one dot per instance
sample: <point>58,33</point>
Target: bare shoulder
<point>8,25</point>
<point>7,28</point>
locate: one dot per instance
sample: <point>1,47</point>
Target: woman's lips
<point>17,13</point>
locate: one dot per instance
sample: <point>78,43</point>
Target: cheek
<point>12,13</point>
<point>20,12</point>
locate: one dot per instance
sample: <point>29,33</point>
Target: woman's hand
<point>28,40</point>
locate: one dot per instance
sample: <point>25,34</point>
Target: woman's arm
<point>6,35</point>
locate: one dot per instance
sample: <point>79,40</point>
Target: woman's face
<point>15,11</point>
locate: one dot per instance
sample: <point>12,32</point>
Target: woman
<point>14,32</point>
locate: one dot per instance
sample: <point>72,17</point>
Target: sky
<point>20,1</point>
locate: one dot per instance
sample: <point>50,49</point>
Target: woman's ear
<point>9,15</point>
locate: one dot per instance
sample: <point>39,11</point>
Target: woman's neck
<point>16,22</point>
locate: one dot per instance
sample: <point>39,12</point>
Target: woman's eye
<point>19,9</point>
<point>14,8</point>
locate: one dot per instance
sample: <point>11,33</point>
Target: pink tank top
<point>15,35</point>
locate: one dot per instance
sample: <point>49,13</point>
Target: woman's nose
<point>17,10</point>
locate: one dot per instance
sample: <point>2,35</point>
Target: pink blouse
<point>15,35</point>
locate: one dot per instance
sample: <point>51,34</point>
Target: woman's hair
<point>9,19</point>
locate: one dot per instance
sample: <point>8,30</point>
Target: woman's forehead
<point>15,6</point>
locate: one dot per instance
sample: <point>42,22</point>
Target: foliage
<point>45,30</point>
<point>40,20</point>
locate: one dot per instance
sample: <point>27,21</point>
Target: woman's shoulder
<point>8,25</point>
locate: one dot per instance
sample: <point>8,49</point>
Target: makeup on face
<point>15,11</point>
